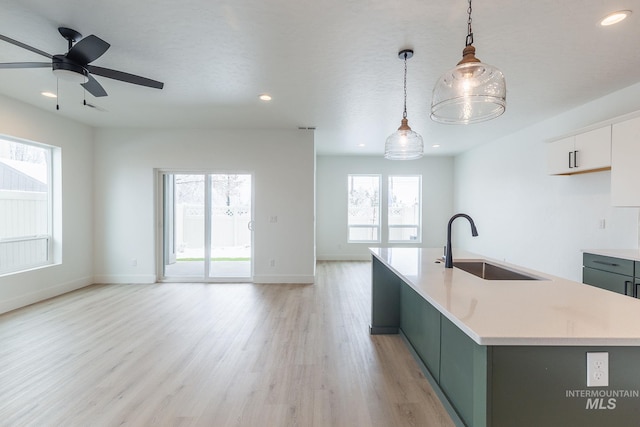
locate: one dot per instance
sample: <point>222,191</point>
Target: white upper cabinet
<point>560,156</point>
<point>588,151</point>
<point>625,163</point>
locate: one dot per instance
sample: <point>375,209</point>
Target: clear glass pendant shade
<point>472,92</point>
<point>404,144</point>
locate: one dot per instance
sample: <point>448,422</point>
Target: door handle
<point>575,159</point>
<point>570,153</point>
<point>250,225</point>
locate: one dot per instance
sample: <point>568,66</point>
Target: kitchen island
<point>505,353</point>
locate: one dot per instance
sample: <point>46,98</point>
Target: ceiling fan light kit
<point>74,66</point>
<point>66,70</point>
<point>404,144</point>
<point>472,92</point>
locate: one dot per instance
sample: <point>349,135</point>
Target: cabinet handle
<point>575,159</point>
<point>570,152</point>
<point>611,264</point>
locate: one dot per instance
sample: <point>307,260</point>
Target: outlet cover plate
<point>598,369</point>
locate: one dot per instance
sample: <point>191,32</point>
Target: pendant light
<point>472,92</point>
<point>404,144</point>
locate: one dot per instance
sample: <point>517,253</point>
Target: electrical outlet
<point>598,369</point>
<point>272,263</point>
<point>134,262</point>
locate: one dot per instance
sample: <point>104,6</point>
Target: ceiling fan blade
<point>26,65</point>
<point>87,50</point>
<point>94,88</point>
<point>124,77</point>
<point>25,46</point>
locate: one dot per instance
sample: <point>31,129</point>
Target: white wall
<point>283,167</point>
<point>529,218</point>
<point>76,142</point>
<point>332,172</point>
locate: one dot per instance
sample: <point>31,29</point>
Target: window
<point>402,222</point>
<point>25,205</point>
<point>404,208</point>
<point>363,218</point>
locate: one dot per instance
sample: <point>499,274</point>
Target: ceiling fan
<point>74,65</point>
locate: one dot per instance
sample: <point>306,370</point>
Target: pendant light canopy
<point>404,144</point>
<point>472,92</point>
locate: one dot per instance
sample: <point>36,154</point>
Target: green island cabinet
<point>611,273</point>
<point>504,385</point>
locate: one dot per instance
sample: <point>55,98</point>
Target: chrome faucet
<point>448,262</point>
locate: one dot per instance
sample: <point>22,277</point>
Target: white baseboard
<point>43,294</point>
<point>343,257</point>
<point>284,279</point>
<point>136,279</point>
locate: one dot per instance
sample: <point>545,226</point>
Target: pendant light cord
<point>469,40</point>
<point>404,114</point>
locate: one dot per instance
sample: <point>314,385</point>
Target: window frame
<point>417,226</point>
<point>378,225</point>
<point>51,159</point>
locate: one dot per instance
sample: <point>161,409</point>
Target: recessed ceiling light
<point>265,97</point>
<point>361,145</point>
<point>49,94</point>
<point>615,17</point>
<point>435,146</point>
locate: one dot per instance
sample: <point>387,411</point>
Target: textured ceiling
<point>328,64</point>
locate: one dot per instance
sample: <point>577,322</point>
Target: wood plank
<point>193,354</point>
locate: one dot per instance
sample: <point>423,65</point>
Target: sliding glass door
<point>207,222</point>
<point>231,224</point>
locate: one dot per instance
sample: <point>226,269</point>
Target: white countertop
<point>555,311</point>
<point>632,254</point>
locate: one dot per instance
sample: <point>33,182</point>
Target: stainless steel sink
<point>488,271</point>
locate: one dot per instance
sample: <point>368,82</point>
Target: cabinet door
<point>560,156</point>
<point>609,281</point>
<point>420,322</point>
<point>625,159</point>
<point>637,280</point>
<point>610,264</point>
<point>593,150</point>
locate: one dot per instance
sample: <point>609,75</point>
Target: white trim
<point>43,294</point>
<point>134,279</point>
<point>53,251</point>
<point>193,279</point>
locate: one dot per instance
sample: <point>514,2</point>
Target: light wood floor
<point>211,355</point>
